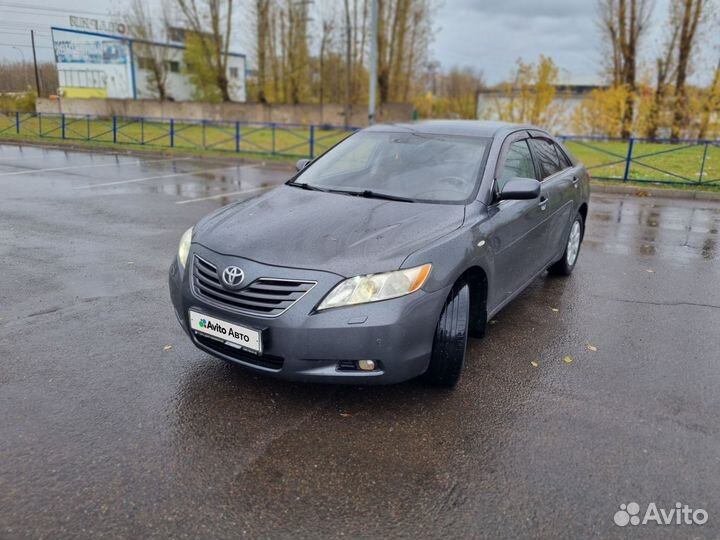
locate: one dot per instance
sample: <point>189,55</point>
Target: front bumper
<point>309,346</point>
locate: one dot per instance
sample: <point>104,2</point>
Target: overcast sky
<point>488,35</point>
<point>492,34</point>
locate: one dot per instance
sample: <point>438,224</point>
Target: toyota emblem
<point>233,276</point>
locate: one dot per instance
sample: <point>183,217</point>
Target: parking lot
<point>114,426</point>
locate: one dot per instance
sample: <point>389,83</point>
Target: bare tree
<point>211,26</point>
<point>286,72</point>
<point>711,104</point>
<point>18,76</point>
<point>687,16</point>
<point>403,39</point>
<point>664,68</point>
<point>348,65</point>
<point>263,47</point>
<point>328,26</point>
<point>361,38</point>
<point>298,54</point>
<point>144,29</point>
<point>623,24</point>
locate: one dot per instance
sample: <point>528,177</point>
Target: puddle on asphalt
<point>683,230</point>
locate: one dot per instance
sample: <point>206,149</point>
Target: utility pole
<point>37,76</point>
<point>373,59</point>
<point>348,64</point>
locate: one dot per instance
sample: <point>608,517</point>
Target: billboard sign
<point>93,65</point>
<point>97,25</point>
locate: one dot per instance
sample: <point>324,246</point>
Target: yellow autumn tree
<point>530,96</point>
<point>601,112</point>
<point>454,94</point>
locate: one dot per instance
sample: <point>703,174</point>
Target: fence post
<point>39,115</point>
<point>312,142</point>
<point>237,137</point>
<point>88,127</point>
<point>702,167</point>
<point>114,129</point>
<point>62,125</point>
<point>273,139</point>
<point>172,133</point>
<point>17,123</point>
<point>142,130</point>
<point>204,143</point>
<point>629,159</point>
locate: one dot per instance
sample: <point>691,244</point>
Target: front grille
<point>265,297</point>
<point>264,360</point>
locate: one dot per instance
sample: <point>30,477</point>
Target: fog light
<point>366,365</point>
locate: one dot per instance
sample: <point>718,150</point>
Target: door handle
<point>575,181</point>
<point>543,202</point>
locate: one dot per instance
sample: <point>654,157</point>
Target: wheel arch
<point>583,211</point>
<point>477,279</point>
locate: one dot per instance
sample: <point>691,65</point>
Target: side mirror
<point>520,189</point>
<point>302,163</point>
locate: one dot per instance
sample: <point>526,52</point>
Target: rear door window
<point>546,157</point>
<point>564,160</point>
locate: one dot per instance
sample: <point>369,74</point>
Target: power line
<point>26,46</point>
<point>24,5</point>
<point>21,32</point>
<point>15,24</point>
<point>17,11</point>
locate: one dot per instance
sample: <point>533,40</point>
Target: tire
<point>566,264</point>
<point>451,336</point>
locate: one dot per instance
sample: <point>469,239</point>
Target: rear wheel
<point>451,335</point>
<point>565,265</point>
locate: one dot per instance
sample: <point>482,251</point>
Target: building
<point>95,65</point>
<point>568,96</point>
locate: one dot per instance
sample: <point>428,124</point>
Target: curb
<point>666,193</point>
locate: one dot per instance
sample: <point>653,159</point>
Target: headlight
<point>375,287</point>
<point>184,247</point>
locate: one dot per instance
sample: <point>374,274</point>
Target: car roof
<point>474,128</point>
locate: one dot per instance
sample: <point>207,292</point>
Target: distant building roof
<point>567,82</point>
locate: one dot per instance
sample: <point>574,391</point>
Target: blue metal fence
<point>276,139</point>
<point>607,158</point>
<point>664,161</point>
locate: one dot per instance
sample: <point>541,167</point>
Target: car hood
<point>337,233</point>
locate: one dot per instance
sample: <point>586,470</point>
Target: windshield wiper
<point>368,194</point>
<point>307,186</point>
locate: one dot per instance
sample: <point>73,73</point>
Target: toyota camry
<point>377,260</point>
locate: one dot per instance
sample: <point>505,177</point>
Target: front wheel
<point>451,335</point>
<point>565,265</point>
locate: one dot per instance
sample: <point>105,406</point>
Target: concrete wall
<point>246,112</point>
<point>561,124</point>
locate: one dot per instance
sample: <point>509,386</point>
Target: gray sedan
<point>377,260</point>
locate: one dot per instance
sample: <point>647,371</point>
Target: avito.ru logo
<point>680,515</point>
<point>220,329</point>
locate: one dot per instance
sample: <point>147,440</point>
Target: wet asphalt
<point>106,434</point>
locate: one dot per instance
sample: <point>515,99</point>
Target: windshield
<point>419,167</point>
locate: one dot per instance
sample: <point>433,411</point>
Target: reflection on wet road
<point>104,434</point>
<point>681,230</point>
